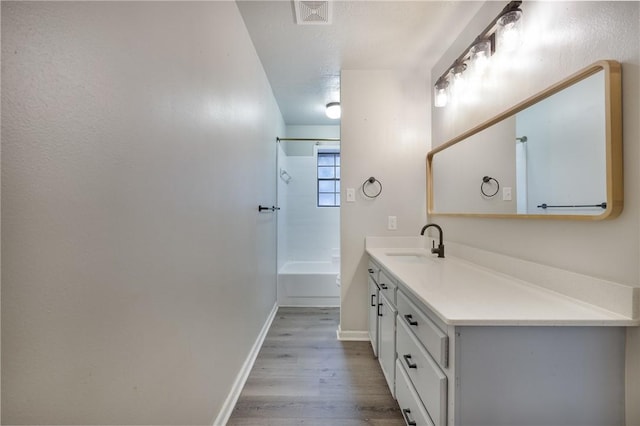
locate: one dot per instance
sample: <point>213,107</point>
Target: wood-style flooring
<point>305,376</point>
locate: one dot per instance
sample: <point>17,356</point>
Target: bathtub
<point>309,284</point>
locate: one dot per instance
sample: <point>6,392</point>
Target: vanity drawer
<point>387,287</point>
<point>428,333</point>
<point>425,374</point>
<point>412,409</point>
<point>373,270</point>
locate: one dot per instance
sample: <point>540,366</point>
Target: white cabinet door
<point>373,315</point>
<point>387,340</point>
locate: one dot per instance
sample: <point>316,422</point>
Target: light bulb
<point>459,81</point>
<point>333,110</point>
<point>510,31</point>
<point>440,93</point>
<point>480,54</point>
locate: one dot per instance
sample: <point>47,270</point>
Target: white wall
<point>566,153</point>
<point>313,131</point>
<point>457,172</point>
<point>384,130</point>
<point>561,38</point>
<point>312,233</point>
<point>136,146</point>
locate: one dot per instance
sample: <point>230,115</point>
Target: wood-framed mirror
<point>556,155</point>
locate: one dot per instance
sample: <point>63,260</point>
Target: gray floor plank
<point>304,376</point>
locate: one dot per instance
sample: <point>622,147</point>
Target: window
<point>328,178</point>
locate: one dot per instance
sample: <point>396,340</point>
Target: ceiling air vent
<point>312,12</point>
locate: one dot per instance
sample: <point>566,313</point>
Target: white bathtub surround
<point>309,284</point>
<point>311,231</point>
<point>335,257</point>
<point>462,292</point>
<point>306,232</point>
<point>308,235</point>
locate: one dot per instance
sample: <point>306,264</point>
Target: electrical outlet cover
<point>393,223</point>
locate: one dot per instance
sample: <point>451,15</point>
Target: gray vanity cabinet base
<point>523,375</point>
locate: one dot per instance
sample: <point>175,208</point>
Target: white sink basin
<point>409,257</point>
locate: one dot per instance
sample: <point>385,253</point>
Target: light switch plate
<point>506,193</point>
<point>351,195</point>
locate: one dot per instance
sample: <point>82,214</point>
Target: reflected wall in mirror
<point>555,155</point>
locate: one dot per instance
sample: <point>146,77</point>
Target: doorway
<point>308,222</point>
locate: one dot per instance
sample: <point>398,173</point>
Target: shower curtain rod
<point>309,139</point>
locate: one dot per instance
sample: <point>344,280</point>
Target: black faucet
<point>440,249</point>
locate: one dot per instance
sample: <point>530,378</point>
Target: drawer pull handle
<point>370,271</point>
<point>379,313</point>
<point>407,419</point>
<point>410,320</point>
<point>409,363</point>
<point>383,286</point>
<point>372,302</point>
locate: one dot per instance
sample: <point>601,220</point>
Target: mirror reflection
<point>552,156</point>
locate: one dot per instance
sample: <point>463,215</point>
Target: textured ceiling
<point>303,62</point>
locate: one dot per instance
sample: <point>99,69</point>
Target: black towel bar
<point>546,206</point>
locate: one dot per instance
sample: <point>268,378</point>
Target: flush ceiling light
<point>333,110</point>
<point>507,25</point>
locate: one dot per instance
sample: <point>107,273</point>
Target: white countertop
<point>464,293</point>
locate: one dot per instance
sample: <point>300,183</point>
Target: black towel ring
<point>486,180</point>
<point>371,181</point>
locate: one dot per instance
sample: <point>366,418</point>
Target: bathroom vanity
<point>463,344</point>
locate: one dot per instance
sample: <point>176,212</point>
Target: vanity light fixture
<point>507,26</point>
<point>333,110</point>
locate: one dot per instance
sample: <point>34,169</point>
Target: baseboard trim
<point>352,335</point>
<point>241,378</point>
<point>288,305</point>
